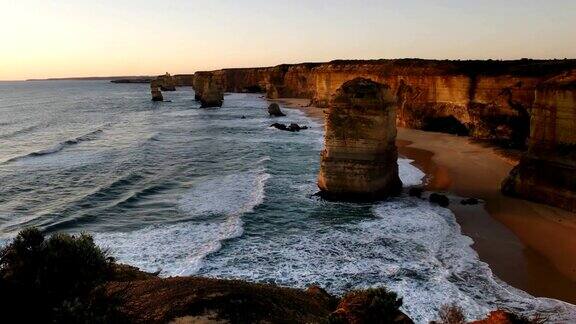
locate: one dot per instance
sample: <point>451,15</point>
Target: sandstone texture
<point>359,159</point>
<point>547,171</point>
<point>272,92</point>
<point>490,100</point>
<point>166,82</point>
<point>209,90</point>
<point>155,91</point>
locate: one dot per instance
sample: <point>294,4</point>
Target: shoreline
<point>524,243</point>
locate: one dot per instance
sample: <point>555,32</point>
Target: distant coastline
<point>111,78</point>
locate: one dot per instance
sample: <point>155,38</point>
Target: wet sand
<point>528,245</point>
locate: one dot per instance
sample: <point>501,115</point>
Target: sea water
<point>216,192</point>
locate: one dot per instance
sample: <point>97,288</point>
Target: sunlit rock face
<point>359,161</point>
<point>271,92</point>
<point>489,100</point>
<point>208,89</point>
<point>547,172</point>
<point>167,82</point>
<point>155,91</point>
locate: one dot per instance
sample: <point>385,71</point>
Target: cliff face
<point>547,172</point>
<point>208,88</point>
<point>183,79</point>
<point>359,159</point>
<point>488,99</point>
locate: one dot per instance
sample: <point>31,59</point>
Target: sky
<point>64,38</point>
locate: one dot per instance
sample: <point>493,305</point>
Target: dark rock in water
<point>296,128</point>
<point>243,117</point>
<point>292,128</point>
<point>274,110</point>
<point>416,192</point>
<point>279,126</point>
<point>439,199</point>
<point>470,201</point>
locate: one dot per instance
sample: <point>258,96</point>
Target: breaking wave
<point>215,207</point>
<point>59,147</point>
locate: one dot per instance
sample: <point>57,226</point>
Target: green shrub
<point>56,279</point>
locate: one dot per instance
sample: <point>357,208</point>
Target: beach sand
<point>530,246</point>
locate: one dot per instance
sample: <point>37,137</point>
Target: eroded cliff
<point>208,89</point>
<point>489,100</point>
<point>547,171</point>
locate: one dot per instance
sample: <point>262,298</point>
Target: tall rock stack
<point>167,82</point>
<point>547,172</point>
<point>360,157</point>
<point>208,90</point>
<point>155,91</point>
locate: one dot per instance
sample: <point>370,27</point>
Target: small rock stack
<point>155,90</point>
<point>167,82</point>
<point>360,157</point>
<point>274,110</point>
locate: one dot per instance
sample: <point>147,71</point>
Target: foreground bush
<point>369,306</point>
<point>55,279</point>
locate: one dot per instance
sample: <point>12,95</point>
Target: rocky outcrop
<point>369,306</point>
<point>489,100</point>
<point>166,82</point>
<point>359,159</point>
<point>155,91</point>
<point>274,110</point>
<point>208,89</point>
<point>547,171</point>
<point>293,127</point>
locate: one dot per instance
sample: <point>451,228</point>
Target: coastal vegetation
<point>56,279</point>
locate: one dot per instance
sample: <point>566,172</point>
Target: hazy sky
<point>56,38</point>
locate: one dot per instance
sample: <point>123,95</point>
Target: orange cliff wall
<point>489,99</point>
<point>547,171</point>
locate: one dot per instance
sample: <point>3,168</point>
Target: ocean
<point>216,192</point>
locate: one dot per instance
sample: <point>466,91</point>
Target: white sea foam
<point>178,249</point>
<point>232,194</point>
<point>411,247</point>
<point>409,174</point>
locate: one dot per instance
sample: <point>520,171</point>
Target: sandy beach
<point>528,245</point>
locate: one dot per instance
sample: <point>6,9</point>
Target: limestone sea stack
<point>359,161</point>
<point>155,91</point>
<point>167,82</point>
<point>547,171</point>
<point>208,90</point>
